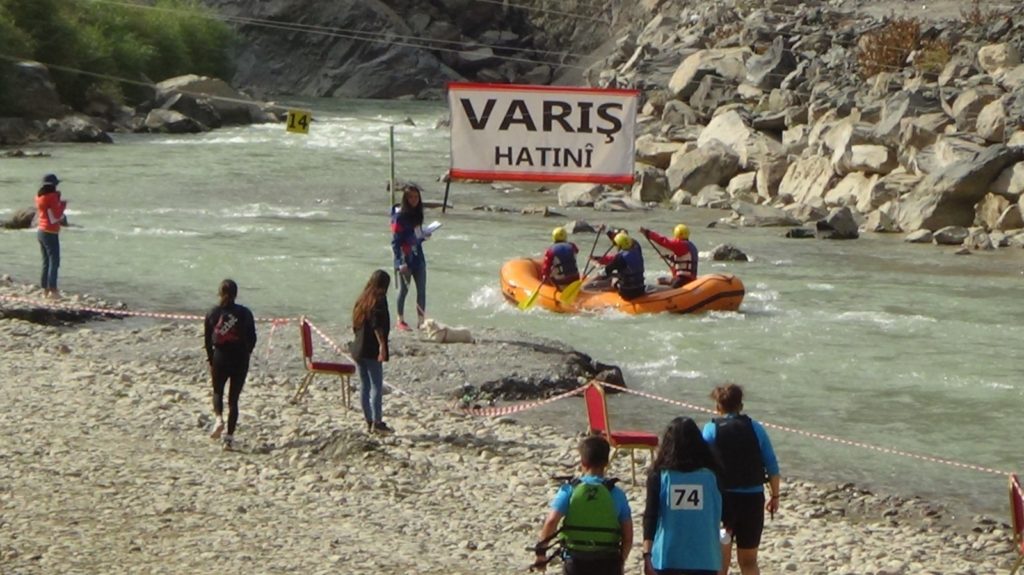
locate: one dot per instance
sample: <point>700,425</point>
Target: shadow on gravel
<point>53,317</point>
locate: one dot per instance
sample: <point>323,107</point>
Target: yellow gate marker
<point>298,121</point>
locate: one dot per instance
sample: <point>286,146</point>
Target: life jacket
<point>631,278</point>
<point>563,266</point>
<point>685,264</point>
<point>228,330</point>
<point>591,524</point>
<point>739,451</point>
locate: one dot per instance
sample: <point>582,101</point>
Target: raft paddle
<point>528,302</point>
<point>664,257</point>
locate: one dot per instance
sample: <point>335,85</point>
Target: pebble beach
<point>106,467</point>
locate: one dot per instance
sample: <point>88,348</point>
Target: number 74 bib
<point>686,497</point>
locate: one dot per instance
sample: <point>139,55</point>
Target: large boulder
<point>838,225</point>
<point>947,197</point>
<point>76,128</point>
<point>21,220</point>
<point>726,63</point>
<point>208,100</point>
<point>767,70</point>
<point>34,95</point>
<point>851,190</point>
<point>650,185</point>
<point>171,122</point>
<point>807,180</point>
<point>579,194</point>
<point>713,164</point>
<point>988,210</point>
<point>753,215</point>
<point>1010,183</point>
<point>995,58</point>
<point>18,131</point>
<point>655,153</point>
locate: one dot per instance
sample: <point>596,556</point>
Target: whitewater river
<point>876,341</point>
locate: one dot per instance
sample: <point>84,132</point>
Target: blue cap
<point>50,180</point>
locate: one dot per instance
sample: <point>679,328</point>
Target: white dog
<point>436,331</point>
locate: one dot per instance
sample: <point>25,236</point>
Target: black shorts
<point>591,565</point>
<point>743,514</point>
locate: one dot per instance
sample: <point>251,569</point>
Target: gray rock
<point>171,122</point>
<point>713,164</point>
<point>950,235</point>
<point>948,197</point>
<point>21,220</point>
<point>768,70</point>
<point>919,237</point>
<point>36,97</point>
<point>76,128</point>
<point>578,194</point>
<point>651,185</point>
<point>838,225</point>
<point>728,253</point>
<point>753,215</point>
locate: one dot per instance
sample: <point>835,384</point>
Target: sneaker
<point>382,428</point>
<point>402,326</point>
<point>369,427</point>
<point>229,443</point>
<point>218,429</point>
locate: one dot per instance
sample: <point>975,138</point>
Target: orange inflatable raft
<point>723,292</point>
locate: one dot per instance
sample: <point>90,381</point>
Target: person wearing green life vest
<point>591,517</point>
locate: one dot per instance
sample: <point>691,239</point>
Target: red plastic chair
<point>1017,515</point>
<point>341,370</point>
<point>597,416</point>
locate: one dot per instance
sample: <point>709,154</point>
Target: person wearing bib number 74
<point>683,514</point>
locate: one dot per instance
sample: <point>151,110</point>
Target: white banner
<point>542,133</point>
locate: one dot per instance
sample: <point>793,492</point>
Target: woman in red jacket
<point>51,213</point>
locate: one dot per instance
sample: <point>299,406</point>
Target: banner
<point>542,133</point>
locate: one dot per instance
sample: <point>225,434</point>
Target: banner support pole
<point>391,154</point>
<point>447,187</point>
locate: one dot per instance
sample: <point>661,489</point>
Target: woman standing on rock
<point>748,461</point>
<point>407,237</point>
<point>371,323</point>
<point>229,337</point>
<point>50,208</point>
<point>684,505</point>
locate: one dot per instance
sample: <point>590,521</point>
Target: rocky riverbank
<point>808,114</point>
<point>108,468</point>
<point>184,104</point>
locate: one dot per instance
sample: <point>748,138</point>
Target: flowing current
<point>876,341</point>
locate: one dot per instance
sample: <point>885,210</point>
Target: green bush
<point>170,38</point>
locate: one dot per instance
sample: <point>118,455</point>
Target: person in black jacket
<point>371,324</point>
<point>229,338</point>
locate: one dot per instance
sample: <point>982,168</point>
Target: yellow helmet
<point>559,234</point>
<point>681,232</point>
<point>623,241</point>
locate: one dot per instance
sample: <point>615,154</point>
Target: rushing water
<point>874,340</point>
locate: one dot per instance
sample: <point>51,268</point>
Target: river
<point>895,345</point>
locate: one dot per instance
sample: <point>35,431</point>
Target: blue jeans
<point>371,374</point>
<point>419,276</point>
<point>49,244</point>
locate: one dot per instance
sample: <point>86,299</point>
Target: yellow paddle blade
<point>528,302</point>
<point>570,292</point>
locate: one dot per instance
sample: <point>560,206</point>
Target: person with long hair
<point>371,324</point>
<point>407,237</point>
<point>50,214</point>
<point>229,337</point>
<point>683,514</point>
<point>748,462</point>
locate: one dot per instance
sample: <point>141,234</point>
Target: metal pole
<point>447,186</point>
<point>391,149</point>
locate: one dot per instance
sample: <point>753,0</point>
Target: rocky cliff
<point>408,48</point>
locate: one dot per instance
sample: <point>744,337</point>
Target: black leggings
<point>222,372</point>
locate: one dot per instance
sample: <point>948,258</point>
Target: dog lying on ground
<point>436,331</point>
